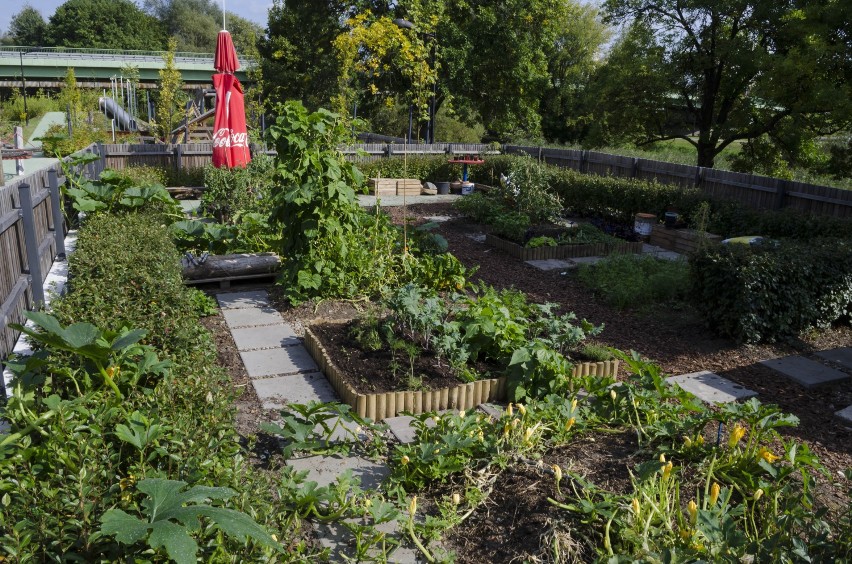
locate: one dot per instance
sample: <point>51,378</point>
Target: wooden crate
<point>395,186</point>
<point>680,240</point>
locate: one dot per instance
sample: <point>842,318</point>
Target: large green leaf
<point>168,502</point>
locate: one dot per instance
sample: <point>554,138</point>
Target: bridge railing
<point>102,54</point>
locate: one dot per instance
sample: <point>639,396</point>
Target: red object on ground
<point>230,137</point>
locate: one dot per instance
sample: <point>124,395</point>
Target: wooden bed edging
<point>390,404</point>
<point>562,251</point>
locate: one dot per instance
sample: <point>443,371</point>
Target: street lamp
<point>430,127</point>
<point>24,87</point>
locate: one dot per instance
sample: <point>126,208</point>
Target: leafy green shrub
<point>730,219</point>
<point>433,169</point>
<point>144,174</point>
<point>757,294</point>
<point>57,143</point>
<point>626,281</point>
<point>228,191</point>
<point>88,449</point>
<point>114,192</point>
<point>332,247</point>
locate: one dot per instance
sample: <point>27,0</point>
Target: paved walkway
<point>282,371</point>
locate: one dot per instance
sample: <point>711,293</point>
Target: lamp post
<point>24,87</point>
<point>430,127</point>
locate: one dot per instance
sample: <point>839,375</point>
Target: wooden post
<point>635,170</point>
<point>102,155</point>
<point>781,194</point>
<point>584,162</point>
<point>56,211</point>
<point>30,240</point>
<point>178,157</point>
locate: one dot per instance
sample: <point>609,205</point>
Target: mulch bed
<point>510,526</point>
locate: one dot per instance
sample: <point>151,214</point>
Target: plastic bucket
<point>643,224</point>
<point>466,188</point>
<point>671,219</point>
<point>443,187</point>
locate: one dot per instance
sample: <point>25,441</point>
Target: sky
<point>252,10</point>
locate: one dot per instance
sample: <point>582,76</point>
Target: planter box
<point>680,240</point>
<point>562,251</point>
<point>463,396</point>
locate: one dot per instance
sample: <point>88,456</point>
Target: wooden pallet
<point>680,240</point>
<point>395,186</point>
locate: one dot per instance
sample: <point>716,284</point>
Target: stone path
<point>805,372</point>
<point>711,388</point>
<point>282,371</point>
<point>568,264</point>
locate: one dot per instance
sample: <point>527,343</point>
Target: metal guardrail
<point>99,53</point>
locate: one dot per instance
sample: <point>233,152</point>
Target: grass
<point>633,281</point>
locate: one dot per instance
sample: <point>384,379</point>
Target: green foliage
<point>630,281</point>
<point>57,143</point>
<point>144,175</point>
<point>325,428</point>
<point>170,95</point>
<point>12,109</point>
<point>166,504</point>
<point>757,294</point>
<point>432,169</point>
<point>28,27</point>
<point>733,220</point>
<point>104,24</point>
<point>114,192</point>
<point>228,191</point>
<point>333,247</point>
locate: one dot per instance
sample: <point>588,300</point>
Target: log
<point>219,267</point>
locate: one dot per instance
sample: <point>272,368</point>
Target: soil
<point>511,525</point>
<point>374,372</point>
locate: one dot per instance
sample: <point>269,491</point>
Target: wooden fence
<point>32,235</point>
<point>759,192</point>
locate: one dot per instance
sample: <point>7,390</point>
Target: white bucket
<point>643,224</point>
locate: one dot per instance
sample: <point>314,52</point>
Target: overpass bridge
<point>45,67</point>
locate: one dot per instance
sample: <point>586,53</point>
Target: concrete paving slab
<point>275,393</point>
<point>341,543</point>
<point>807,373</point>
<point>265,337</point>
<point>711,388</point>
<point>324,470</point>
<point>845,415</point>
<point>552,264</point>
<point>251,317</point>
<point>232,300</point>
<point>275,362</point>
<point>438,218</point>
<point>660,253</point>
<point>842,356</point>
<point>587,260</point>
<point>401,428</point>
<point>493,410</point>
<point>478,237</point>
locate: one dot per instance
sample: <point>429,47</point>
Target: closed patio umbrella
<point>230,137</point>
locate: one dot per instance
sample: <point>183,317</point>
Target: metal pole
<point>19,144</point>
<point>430,133</point>
<point>33,259</point>
<point>68,115</point>
<point>24,88</point>
<point>56,210</point>
<point>410,122</point>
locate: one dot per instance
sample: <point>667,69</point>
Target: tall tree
<point>28,27</point>
<point>170,95</point>
<point>195,24</point>
<point>297,55</point>
<point>105,24</point>
<point>732,69</point>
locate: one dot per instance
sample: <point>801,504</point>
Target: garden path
<point>282,371</point>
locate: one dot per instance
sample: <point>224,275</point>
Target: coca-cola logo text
<point>225,137</point>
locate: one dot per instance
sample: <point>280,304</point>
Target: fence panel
<point>17,293</point>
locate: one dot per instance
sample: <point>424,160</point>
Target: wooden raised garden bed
<point>680,240</point>
<point>562,251</point>
<point>390,404</point>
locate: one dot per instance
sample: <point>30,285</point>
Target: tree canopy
<point>106,24</point>
<point>27,27</point>
<point>728,70</point>
<point>196,23</point>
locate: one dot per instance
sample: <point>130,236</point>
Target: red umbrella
<point>230,140</point>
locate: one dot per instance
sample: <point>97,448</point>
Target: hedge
<point>620,199</point>
<point>763,294</point>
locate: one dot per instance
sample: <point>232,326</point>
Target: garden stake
<point>719,435</point>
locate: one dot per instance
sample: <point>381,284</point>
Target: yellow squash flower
<point>693,511</point>
<point>766,455</point>
<point>667,471</point>
<point>714,493</point>
<point>412,507</point>
<point>634,505</point>
<point>737,434</point>
<point>510,410</point>
<point>758,494</point>
<point>569,424</point>
<point>557,471</point>
<point>456,499</point>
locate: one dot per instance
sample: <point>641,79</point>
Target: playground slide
<point>109,106</point>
